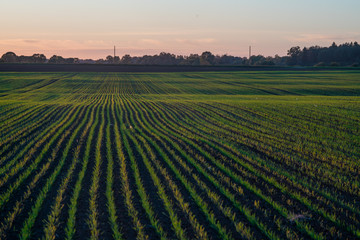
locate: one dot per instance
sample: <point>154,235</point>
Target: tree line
<point>343,55</point>
<point>11,57</point>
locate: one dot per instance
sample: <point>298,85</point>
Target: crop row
<point>126,156</point>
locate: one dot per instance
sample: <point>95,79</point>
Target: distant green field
<point>237,155</point>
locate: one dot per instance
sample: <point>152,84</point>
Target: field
<point>210,155</point>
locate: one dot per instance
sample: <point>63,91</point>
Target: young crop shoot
<point>181,155</point>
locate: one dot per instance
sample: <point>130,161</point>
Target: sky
<point>90,28</point>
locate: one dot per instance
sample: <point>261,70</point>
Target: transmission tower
<point>249,52</point>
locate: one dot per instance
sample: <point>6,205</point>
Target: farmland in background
<point>240,155</point>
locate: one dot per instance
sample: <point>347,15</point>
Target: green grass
<point>218,155</point>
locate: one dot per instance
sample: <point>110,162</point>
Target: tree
<point>207,58</point>
<point>294,54</point>
<point>260,60</point>
<point>24,59</point>
<point>116,59</point>
<point>228,60</point>
<point>294,51</point>
<point>71,60</point>
<point>9,57</point>
<point>57,59</point>
<point>126,59</point>
<point>192,59</point>
<point>165,59</point>
<point>110,59</point>
<point>38,58</point>
<point>333,45</point>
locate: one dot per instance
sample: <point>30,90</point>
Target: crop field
<point>211,155</point>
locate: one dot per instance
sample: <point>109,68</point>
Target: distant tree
<point>24,59</point>
<point>71,60</point>
<point>116,59</point>
<point>146,59</point>
<point>228,60</point>
<point>269,61</point>
<point>294,51</point>
<point>38,58</point>
<point>192,59</point>
<point>294,54</point>
<point>180,59</point>
<point>207,58</point>
<point>277,60</point>
<point>313,55</point>
<point>9,57</point>
<point>165,59</point>
<point>136,60</point>
<point>57,60</point>
<point>110,59</point>
<point>100,61</point>
<point>126,59</point>
<point>343,54</point>
<point>256,60</point>
<point>87,61</point>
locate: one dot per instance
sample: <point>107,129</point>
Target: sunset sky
<point>90,28</point>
